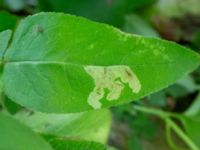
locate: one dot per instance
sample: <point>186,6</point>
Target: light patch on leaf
<point>113,79</point>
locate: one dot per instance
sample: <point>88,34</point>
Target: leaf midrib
<point>79,64</point>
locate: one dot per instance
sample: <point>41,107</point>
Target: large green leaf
<point>91,125</point>
<point>16,136</point>
<point>62,63</point>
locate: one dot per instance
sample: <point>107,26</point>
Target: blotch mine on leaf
<point>113,79</point>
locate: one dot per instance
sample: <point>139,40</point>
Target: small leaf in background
<point>60,76</point>
<point>7,21</point>
<point>194,109</point>
<point>143,126</point>
<point>191,125</point>
<point>107,11</point>
<point>191,120</point>
<point>4,39</point>
<point>188,83</point>
<point>90,126</point>
<point>196,40</point>
<point>182,87</point>
<point>11,106</point>
<point>19,7</point>
<point>16,136</point>
<point>15,5</point>
<point>137,25</point>
<point>176,91</point>
<point>158,99</point>
<point>177,8</point>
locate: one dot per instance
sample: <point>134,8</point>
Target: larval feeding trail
<point>113,79</point>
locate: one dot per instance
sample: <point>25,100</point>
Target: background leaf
<point>191,125</point>
<point>91,126</point>
<point>194,109</point>
<point>177,8</point>
<point>16,136</point>
<point>4,39</point>
<point>7,21</point>
<point>137,25</point>
<point>59,144</point>
<point>107,11</point>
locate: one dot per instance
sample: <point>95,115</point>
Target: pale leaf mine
<point>113,79</point>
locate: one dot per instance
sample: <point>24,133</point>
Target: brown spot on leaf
<point>38,29</point>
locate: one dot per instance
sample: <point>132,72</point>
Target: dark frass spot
<point>128,73</point>
<point>31,113</point>
<point>38,29</point>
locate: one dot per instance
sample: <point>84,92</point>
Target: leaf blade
<point>57,49</point>
<point>4,39</point>
<point>16,136</point>
<point>87,126</point>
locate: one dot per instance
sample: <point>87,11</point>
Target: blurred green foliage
<point>107,11</point>
<point>7,21</point>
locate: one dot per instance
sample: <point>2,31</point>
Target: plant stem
<point>152,111</point>
<point>168,137</point>
<point>166,117</point>
<point>181,134</point>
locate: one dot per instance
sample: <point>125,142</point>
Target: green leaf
<point>196,40</point>
<point>91,126</point>
<point>158,98</point>
<point>176,91</point>
<point>137,25</point>
<point>177,8</point>
<point>11,106</point>
<point>61,144</point>
<point>4,39</point>
<point>191,126</point>
<point>62,63</point>
<point>16,5</point>
<point>16,136</point>
<point>188,83</point>
<point>7,21</point>
<point>194,109</point>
